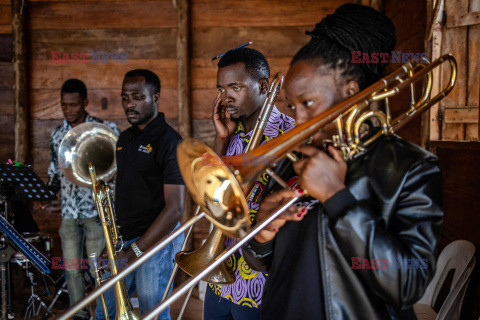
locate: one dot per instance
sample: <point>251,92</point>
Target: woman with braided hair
<point>362,245</point>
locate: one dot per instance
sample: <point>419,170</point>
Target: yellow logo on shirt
<point>147,149</point>
<point>119,148</point>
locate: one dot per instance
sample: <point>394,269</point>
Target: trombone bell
<point>193,262</point>
<point>213,187</point>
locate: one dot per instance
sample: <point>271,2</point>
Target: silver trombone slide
<point>194,280</point>
<point>175,267</point>
<point>147,255</point>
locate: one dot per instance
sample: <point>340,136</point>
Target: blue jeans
<point>72,232</point>
<point>149,280</point>
<point>218,308</point>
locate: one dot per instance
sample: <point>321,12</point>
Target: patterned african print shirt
<point>248,287</point>
<point>77,202</point>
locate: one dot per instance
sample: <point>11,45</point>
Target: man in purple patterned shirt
<point>243,80</point>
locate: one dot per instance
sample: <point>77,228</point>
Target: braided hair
<point>350,28</point>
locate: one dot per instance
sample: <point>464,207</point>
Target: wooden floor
<point>194,309</point>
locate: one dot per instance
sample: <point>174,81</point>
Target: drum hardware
<point>34,303</point>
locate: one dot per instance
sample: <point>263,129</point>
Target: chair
<point>458,257</point>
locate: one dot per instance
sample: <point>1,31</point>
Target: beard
<point>240,118</point>
<point>142,118</point>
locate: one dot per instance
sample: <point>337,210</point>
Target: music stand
<point>19,183</point>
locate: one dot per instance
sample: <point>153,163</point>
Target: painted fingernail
<point>299,191</point>
<point>275,230</point>
<point>299,215</point>
<point>304,210</point>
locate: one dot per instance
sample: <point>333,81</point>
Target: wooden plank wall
<point>461,187</point>
<point>463,43</point>
<point>7,139</point>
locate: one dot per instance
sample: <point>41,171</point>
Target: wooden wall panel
<point>6,131</point>
<point>461,187</point>
<point>7,137</point>
<point>6,70</point>
<point>271,41</point>
<point>6,102</point>
<point>5,18</point>
<point>137,43</point>
<point>45,74</point>
<point>102,15</point>
<point>455,41</point>
<point>6,45</point>
<point>473,77</point>
<point>7,110</point>
<point>239,13</point>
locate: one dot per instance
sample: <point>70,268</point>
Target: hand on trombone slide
<point>270,204</point>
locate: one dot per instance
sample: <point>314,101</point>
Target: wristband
<point>136,249</point>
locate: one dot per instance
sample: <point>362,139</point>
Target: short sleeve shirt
<point>77,202</point>
<point>146,161</point>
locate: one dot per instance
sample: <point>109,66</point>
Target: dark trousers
<point>218,308</point>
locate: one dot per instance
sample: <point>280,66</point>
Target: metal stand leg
<point>57,295</point>
<point>3,269</point>
<point>185,303</point>
<point>35,303</point>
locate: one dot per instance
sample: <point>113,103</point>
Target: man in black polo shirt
<point>149,192</point>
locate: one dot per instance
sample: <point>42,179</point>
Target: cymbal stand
<point>35,303</point>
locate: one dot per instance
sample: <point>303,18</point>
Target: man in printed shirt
<point>79,215</point>
<point>243,80</point>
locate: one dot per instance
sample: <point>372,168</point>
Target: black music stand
<point>21,183</point>
<point>16,183</point>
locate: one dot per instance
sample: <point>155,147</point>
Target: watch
<point>136,249</point>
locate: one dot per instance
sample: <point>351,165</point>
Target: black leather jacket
<point>395,213</point>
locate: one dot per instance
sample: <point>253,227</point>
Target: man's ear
<point>350,89</point>
<point>263,85</point>
<point>156,97</point>
<point>85,102</point>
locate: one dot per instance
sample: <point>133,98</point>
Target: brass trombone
<point>113,243</point>
<point>217,187</point>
